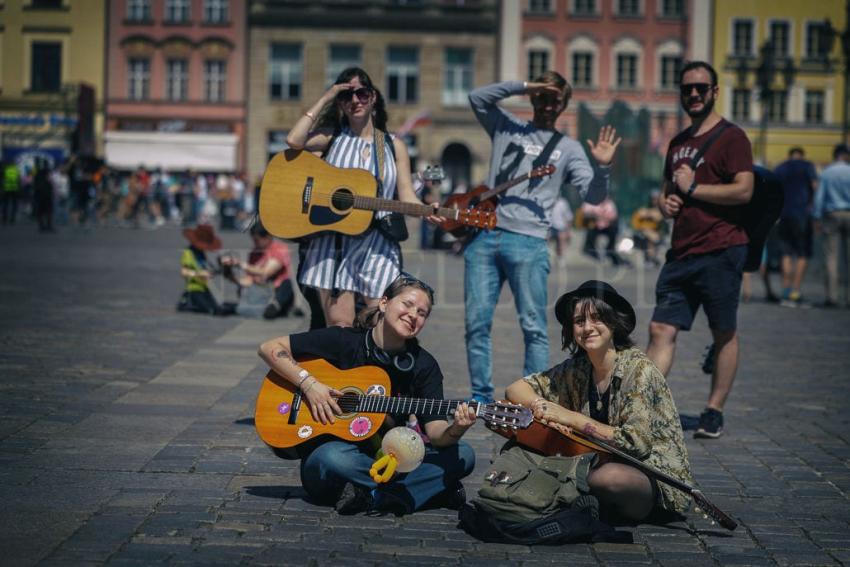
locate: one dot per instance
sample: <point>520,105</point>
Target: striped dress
<point>366,263</point>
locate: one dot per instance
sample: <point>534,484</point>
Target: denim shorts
<point>712,280</point>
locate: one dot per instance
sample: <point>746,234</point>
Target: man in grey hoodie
<point>516,250</point>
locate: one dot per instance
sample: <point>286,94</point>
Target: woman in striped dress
<point>351,118</point>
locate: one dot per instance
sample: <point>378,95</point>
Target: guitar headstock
<point>478,218</point>
<point>541,171</point>
<point>432,173</point>
<point>713,511</point>
<point>506,415</point>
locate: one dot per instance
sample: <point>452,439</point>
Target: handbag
<point>393,225</point>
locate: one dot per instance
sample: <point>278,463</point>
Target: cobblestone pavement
<point>126,430</point>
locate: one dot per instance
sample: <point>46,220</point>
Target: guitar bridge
<point>306,195</point>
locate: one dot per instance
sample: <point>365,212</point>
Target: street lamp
<point>765,73</point>
<point>827,40</point>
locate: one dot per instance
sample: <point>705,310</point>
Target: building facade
<point>51,51</point>
<point>425,57</point>
<point>782,45</point>
<point>609,50</point>
<point>176,84</point>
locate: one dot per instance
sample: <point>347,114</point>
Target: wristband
<point>313,383</point>
<point>303,375</point>
<point>692,188</point>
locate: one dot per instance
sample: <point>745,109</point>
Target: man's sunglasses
<point>406,279</point>
<point>702,88</point>
<point>363,94</point>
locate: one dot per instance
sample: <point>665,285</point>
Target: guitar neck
<point>503,187</point>
<point>418,406</point>
<point>413,209</point>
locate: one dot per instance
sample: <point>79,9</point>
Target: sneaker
<point>353,499</point>
<point>451,498</point>
<point>708,359</point>
<point>272,310</point>
<point>688,422</point>
<point>710,424</point>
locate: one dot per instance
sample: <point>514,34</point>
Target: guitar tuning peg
<point>697,510</point>
<point>712,522</point>
<point>705,517</point>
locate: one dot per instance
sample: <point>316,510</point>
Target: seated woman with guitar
<point>337,472</point>
<point>610,391</point>
<point>351,132</point>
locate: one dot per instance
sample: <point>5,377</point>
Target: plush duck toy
<point>403,451</point>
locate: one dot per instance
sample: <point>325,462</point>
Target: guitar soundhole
<point>342,200</point>
<point>348,402</point>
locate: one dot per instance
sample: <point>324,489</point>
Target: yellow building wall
<point>79,27</point>
<point>818,141</point>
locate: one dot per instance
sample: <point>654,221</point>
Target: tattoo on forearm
<point>590,429</point>
<point>282,354</point>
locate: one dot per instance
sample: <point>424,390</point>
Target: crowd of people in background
<point>85,193</point>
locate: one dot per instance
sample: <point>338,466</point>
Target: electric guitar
<point>482,198</point>
<point>301,195</point>
<point>283,419</point>
<point>556,439</point>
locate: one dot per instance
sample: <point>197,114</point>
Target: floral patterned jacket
<point>642,413</point>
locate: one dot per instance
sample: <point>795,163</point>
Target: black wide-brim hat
<point>601,290</point>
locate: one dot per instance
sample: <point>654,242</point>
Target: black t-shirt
<point>345,348</point>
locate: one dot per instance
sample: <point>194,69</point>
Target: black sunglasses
<point>406,279</point>
<point>362,94</point>
<point>701,88</point>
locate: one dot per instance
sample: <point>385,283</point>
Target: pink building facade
<point>626,50</point>
<point>176,84</point>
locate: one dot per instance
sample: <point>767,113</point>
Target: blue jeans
<point>325,471</point>
<point>523,261</point>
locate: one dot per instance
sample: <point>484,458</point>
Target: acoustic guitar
<point>301,195</point>
<point>482,198</point>
<point>556,439</point>
<point>283,420</point>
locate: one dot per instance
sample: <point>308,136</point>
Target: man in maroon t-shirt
<point>709,245</point>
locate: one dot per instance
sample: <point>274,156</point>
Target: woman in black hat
<point>610,390</point>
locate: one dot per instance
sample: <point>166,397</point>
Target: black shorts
<point>712,280</point>
<point>795,237</point>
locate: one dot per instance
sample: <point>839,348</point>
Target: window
<point>176,79</point>
<point>582,69</point>
<point>742,37</point>
<point>139,10</point>
<point>672,8</point>
<point>46,67</point>
<point>216,11</point>
<point>285,71</point>
<point>341,57</point>
<point>670,67</point>
<point>741,105</point>
<point>628,8</point>
<point>538,63</point>
<point>817,42</point>
<point>814,109</point>
<point>138,79</point>
<point>627,69</point>
<point>457,79</point>
<point>402,74</point>
<point>215,73</point>
<point>780,33</point>
<point>777,106</point>
<point>584,7</point>
<point>540,6</point>
<point>177,10</point>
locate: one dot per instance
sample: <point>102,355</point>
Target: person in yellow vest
<point>11,192</point>
<point>197,270</point>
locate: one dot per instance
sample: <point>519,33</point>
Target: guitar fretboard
<point>392,405</point>
<point>414,209</point>
<point>503,187</point>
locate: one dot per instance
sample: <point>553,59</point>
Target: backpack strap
<point>707,144</point>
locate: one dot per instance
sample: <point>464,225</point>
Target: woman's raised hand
<point>331,94</point>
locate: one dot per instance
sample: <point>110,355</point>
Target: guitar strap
<point>543,158</point>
